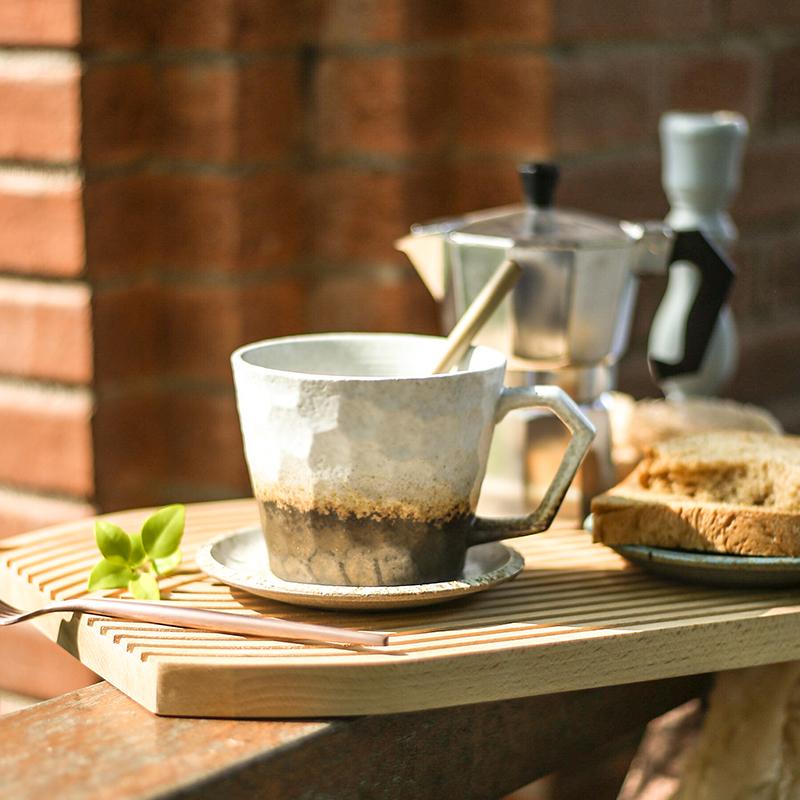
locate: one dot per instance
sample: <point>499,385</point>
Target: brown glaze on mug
<point>330,548</point>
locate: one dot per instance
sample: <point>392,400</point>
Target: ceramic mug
<point>367,469</point>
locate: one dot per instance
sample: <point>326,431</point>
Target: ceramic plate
<point>240,559</point>
<point>717,569</point>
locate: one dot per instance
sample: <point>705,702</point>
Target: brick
<point>187,330</point>
<point>221,25</point>
<point>210,322</point>
<point>618,186</point>
<point>236,24</point>
<point>119,113</point>
<point>194,221</point>
<point>780,281</point>
<point>204,324</point>
<point>128,323</point>
<point>40,22</point>
<point>206,444</point>
<point>120,24</point>
<point>39,668</point>
<point>228,223</point>
<point>730,79</point>
<point>384,104</point>
<point>365,303</point>
<point>590,21</point>
<point>273,220</point>
<point>21,512</point>
<point>208,23</point>
<point>605,101</point>
<point>483,183</point>
<point>271,118</point>
<point>44,93</point>
<point>132,447</point>
<point>371,21</point>
<point>371,210</point>
<point>750,257</point>
<point>41,223</point>
<point>770,177</point>
<point>765,352</point>
<point>45,331</point>
<point>168,445</point>
<point>47,439</point>
<point>625,186</point>
<point>784,92</point>
<point>198,110</point>
<point>122,223</point>
<point>357,21</point>
<point>767,276</point>
<point>529,21</point>
<point>746,15</point>
<point>505,103</point>
<point>229,112</point>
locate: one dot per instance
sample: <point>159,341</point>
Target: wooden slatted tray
<point>577,617</point>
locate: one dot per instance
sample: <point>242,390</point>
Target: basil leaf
<point>113,542</point>
<point>161,533</point>
<point>109,575</point>
<point>164,565</point>
<point>137,555</point>
<point>144,586</point>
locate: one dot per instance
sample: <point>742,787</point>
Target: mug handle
<point>486,529</point>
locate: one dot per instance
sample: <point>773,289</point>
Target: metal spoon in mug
<point>476,315</point>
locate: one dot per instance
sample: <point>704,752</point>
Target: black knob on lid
<point>539,183</point>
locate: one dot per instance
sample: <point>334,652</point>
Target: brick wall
<point>178,177</point>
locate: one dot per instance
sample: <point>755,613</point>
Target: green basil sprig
<point>135,560</point>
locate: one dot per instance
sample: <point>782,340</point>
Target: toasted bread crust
<point>628,516</point>
<point>719,492</point>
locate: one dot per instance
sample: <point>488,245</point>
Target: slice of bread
<point>659,420</point>
<point>726,492</point>
<point>637,424</point>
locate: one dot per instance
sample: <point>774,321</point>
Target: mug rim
<point>239,361</point>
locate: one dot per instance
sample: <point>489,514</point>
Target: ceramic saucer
<point>712,569</point>
<point>240,559</point>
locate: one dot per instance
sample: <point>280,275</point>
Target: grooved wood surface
<point>577,617</point>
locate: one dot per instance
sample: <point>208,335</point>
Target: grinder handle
<point>716,277</point>
<point>492,529</point>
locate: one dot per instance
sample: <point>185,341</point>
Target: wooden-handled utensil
<point>476,315</point>
<point>200,619</point>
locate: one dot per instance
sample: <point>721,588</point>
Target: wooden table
<point>98,743</point>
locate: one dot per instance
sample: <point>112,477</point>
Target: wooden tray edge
<point>251,691</point>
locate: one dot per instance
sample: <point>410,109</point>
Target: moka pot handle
<point>716,278</point>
